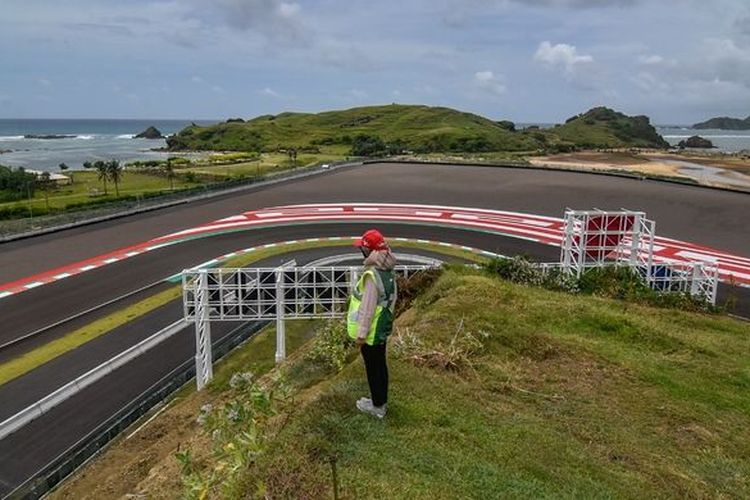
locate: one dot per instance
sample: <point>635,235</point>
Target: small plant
<point>237,431</point>
<point>331,346</point>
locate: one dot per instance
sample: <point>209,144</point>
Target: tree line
<point>106,171</point>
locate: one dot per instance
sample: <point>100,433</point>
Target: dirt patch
<point>607,162</point>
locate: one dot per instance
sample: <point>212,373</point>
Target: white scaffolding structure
<point>262,294</point>
<point>597,238</point>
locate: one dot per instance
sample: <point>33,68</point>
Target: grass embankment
<point>497,390</point>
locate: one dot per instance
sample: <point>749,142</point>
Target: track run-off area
<point>530,227</point>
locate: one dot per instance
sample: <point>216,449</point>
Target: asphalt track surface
<point>710,217</point>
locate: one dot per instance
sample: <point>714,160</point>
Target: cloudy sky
<point>678,61</point>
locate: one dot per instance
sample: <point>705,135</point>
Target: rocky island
<point>724,123</point>
<point>149,133</point>
<point>696,142</point>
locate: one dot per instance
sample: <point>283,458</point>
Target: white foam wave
<point>708,136</point>
<point>126,136</point>
<point>11,137</point>
<point>85,137</point>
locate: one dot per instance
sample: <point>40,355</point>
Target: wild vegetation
<point>604,128</point>
<point>398,129</point>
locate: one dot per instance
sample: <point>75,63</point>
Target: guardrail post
<point>280,330</point>
<point>203,358</point>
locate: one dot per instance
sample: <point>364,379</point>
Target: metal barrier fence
<point>79,453</point>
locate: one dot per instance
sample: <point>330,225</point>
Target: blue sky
<point>678,61</point>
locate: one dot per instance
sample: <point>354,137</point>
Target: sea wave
<point>11,137</point>
<point>126,136</point>
<point>85,137</point>
<point>708,136</point>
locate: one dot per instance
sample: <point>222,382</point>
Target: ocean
<point>94,140</point>
<point>728,141</point>
<point>113,139</point>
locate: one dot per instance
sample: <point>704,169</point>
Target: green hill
<point>605,128</point>
<point>378,130</point>
<point>724,123</point>
<point>417,128</point>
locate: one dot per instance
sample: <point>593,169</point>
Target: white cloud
<point>44,81</point>
<point>578,4</point>
<point>651,59</point>
<point>486,80</point>
<point>196,79</point>
<point>289,9</point>
<point>561,55</point>
<point>268,91</point>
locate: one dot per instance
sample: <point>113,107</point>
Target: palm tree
<point>45,183</point>
<point>102,173</point>
<point>63,167</point>
<point>169,172</point>
<point>115,171</point>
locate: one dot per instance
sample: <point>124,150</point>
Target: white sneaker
<point>365,406</point>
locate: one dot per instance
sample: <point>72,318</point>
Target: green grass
<point>421,129</point>
<point>571,397</point>
<point>267,163</point>
<point>40,355</point>
<point>416,126</point>
<point>87,188</point>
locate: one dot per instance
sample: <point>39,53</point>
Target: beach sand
<point>735,170</point>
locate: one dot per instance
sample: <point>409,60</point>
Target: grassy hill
<point>605,128</point>
<point>379,130</point>
<point>497,391</point>
<point>725,123</point>
<point>420,128</point>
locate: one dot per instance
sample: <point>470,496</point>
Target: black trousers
<point>377,372</point>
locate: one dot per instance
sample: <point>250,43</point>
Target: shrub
<point>521,270</point>
<point>331,346</point>
<point>413,286</point>
<point>238,436</point>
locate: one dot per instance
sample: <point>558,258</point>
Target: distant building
<point>59,179</point>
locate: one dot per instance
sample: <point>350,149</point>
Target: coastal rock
<point>697,142</point>
<point>150,133</point>
<point>49,136</point>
